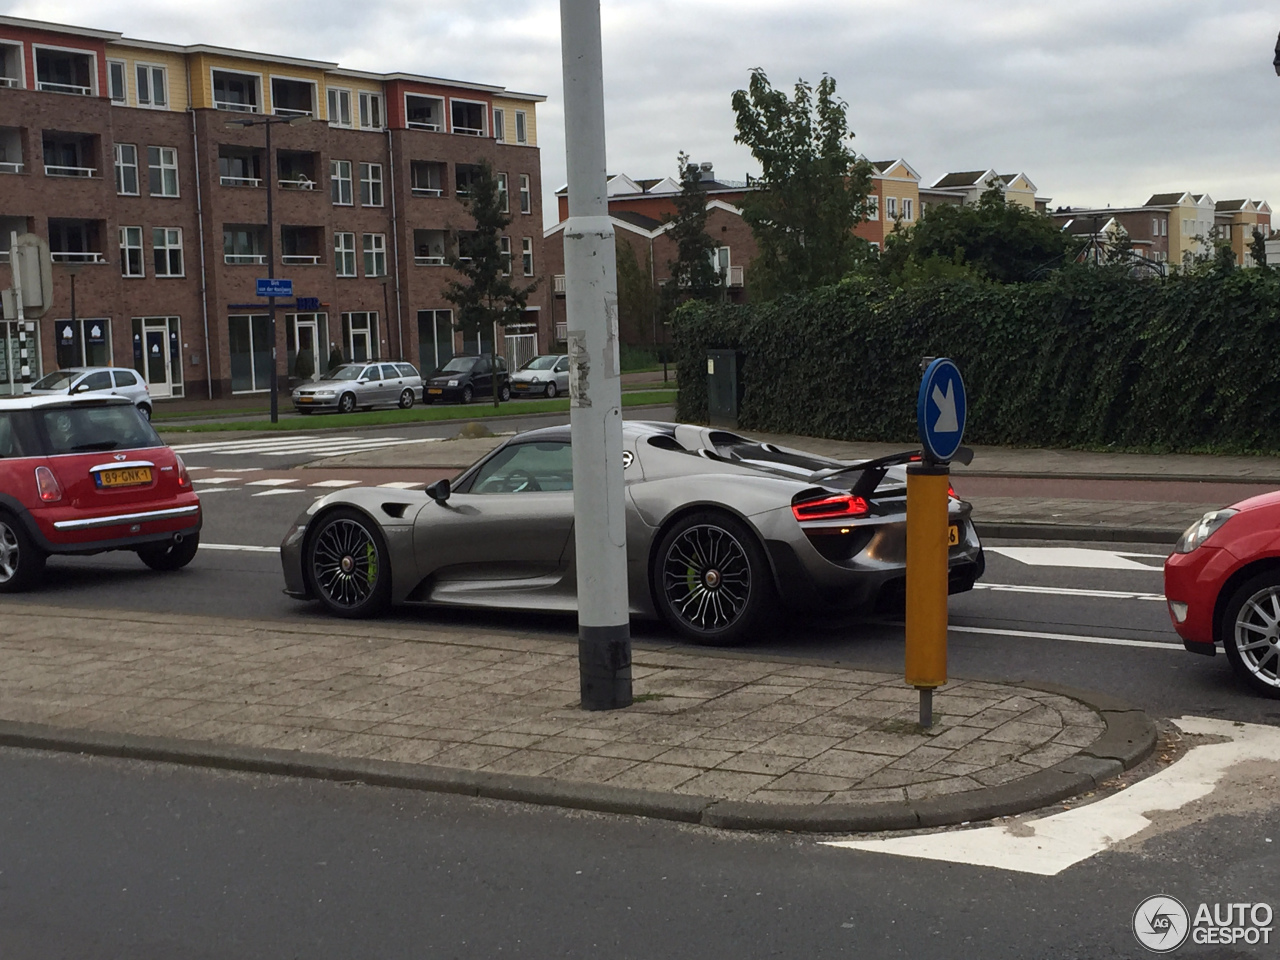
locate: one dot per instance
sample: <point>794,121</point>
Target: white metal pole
<point>595,388</point>
<point>15,261</point>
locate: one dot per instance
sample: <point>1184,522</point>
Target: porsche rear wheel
<point>712,581</point>
<point>1251,632</point>
<point>21,561</point>
<point>347,564</point>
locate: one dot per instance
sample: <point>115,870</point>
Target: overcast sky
<point>1098,101</point>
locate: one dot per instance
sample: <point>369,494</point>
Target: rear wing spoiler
<point>873,471</point>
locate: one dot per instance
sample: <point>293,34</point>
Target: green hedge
<point>1087,358</point>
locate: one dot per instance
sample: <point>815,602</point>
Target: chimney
<point>708,170</point>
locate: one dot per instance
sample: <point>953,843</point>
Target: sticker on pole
<point>941,409</point>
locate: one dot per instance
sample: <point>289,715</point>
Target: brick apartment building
<point>124,155</point>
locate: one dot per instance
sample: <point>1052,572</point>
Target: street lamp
<point>268,123</point>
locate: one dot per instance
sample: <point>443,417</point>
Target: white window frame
<point>123,99</point>
<point>120,165</point>
<point>163,167</point>
<point>367,98</point>
<point>151,68</point>
<point>526,255</point>
<point>125,247</point>
<point>238,107</point>
<point>522,126</point>
<point>336,179</point>
<point>504,194</point>
<point>440,127</point>
<point>171,240</point>
<point>500,124</point>
<point>873,206</point>
<point>373,246</point>
<point>908,209</point>
<point>891,208</point>
<point>315,94</point>
<point>370,182</point>
<point>504,246</point>
<point>484,116</point>
<point>329,99</point>
<point>344,253</point>
<point>526,194</point>
<point>22,62</point>
<point>93,71</point>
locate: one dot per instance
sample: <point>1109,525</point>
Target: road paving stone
<point>712,725</point>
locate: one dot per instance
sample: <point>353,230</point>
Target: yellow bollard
<point>927,551</point>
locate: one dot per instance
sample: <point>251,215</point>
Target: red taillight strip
<point>831,508</point>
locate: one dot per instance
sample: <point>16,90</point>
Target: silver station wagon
<point>354,386</point>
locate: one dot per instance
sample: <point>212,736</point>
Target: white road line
<point>272,482</point>
<point>279,491</point>
<point>1049,845</point>
<point>238,548</point>
<point>236,469</point>
<point>335,483</point>
<point>203,480</point>
<point>1078,638</point>
<point>401,485</point>
<point>1069,592</point>
<point>1081,557</point>
<point>295,444</point>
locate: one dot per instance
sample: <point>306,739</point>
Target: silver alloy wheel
<point>344,562</point>
<point>347,403</point>
<point>706,577</point>
<point>551,390</point>
<point>1256,635</point>
<point>9,558</point>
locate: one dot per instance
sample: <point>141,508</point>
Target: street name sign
<point>275,288</point>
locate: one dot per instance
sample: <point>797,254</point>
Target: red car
<point>1222,584</point>
<point>86,475</point>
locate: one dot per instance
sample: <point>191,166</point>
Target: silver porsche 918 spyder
<point>723,532</point>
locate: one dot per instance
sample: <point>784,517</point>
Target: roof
<point>1229,205</point>
<point>967,178</point>
<point>636,219</point>
<point>1165,199</point>
<point>1087,226</point>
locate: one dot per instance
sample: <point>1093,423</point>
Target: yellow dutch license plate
<point>953,536</point>
<point>305,400</point>
<point>132,477</point>
<point>434,390</point>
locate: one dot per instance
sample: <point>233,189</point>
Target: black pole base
<point>604,667</point>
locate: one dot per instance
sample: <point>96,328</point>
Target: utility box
<point>724,388</point>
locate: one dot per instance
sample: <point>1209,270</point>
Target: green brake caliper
<point>371,563</point>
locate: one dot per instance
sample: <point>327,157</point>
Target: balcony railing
<point>429,261</point>
<point>240,181</point>
<point>64,88</point>
<point>10,82</point>
<point>237,107</point>
<point>735,277</point>
<point>81,256</point>
<point>301,184</point>
<point>10,167</point>
<point>423,125</point>
<point>244,258</point>
<point>557,283</point>
<point>427,192</point>
<point>298,259</point>
<point>55,170</point>
<point>4,256</point>
<point>469,131</point>
<point>290,112</point>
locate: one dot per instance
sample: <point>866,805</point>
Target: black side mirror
<point>439,491</point>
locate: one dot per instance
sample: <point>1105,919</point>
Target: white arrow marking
<point>1048,845</point>
<point>947,421</point>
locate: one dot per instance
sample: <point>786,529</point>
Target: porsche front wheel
<point>346,561</point>
<point>712,581</point>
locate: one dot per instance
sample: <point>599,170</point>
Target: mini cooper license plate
<point>132,477</point>
<point>953,536</point>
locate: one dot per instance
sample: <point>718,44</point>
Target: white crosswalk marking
<point>335,483</point>
<point>1080,557</point>
<point>278,491</point>
<point>292,445</point>
<point>275,482</point>
<point>1069,592</point>
<point>203,480</point>
<point>401,485</point>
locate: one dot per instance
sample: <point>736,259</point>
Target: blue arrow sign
<point>275,288</point>
<point>941,409</point>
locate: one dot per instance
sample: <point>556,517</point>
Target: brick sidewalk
<point>722,727</point>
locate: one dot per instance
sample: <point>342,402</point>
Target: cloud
<point>1097,101</point>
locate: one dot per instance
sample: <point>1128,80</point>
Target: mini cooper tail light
<point>184,478</point>
<point>47,484</point>
<point>830,508</point>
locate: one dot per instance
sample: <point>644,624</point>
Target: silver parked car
<point>722,532</point>
<point>113,381</point>
<point>352,386</point>
<point>544,376</point>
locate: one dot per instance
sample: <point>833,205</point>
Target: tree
<point>637,301</point>
<point>1001,241</point>
<point>812,190</point>
<point>695,275</point>
<point>1259,248</point>
<point>485,296</point>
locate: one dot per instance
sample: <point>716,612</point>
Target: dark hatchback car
<point>465,377</point>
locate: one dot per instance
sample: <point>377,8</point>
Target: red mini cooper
<point>86,475</point>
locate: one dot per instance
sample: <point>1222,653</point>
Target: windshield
<point>115,426</point>
<point>58,380</point>
<point>459,365</point>
<point>345,373</point>
<point>540,363</point>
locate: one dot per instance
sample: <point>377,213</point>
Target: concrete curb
<point>1020,530</point>
<point>1129,737</point>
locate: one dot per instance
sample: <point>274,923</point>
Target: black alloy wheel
<point>712,581</point>
<point>145,411</point>
<point>467,393</point>
<point>347,404</point>
<point>173,555</point>
<point>21,561</point>
<point>504,393</point>
<point>1251,632</point>
<point>346,561</point>
<point>406,399</point>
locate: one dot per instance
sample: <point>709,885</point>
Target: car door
<point>371,391</point>
<point>99,381</point>
<point>482,377</point>
<point>128,385</point>
<point>508,530</point>
<point>562,375</point>
<point>394,382</point>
